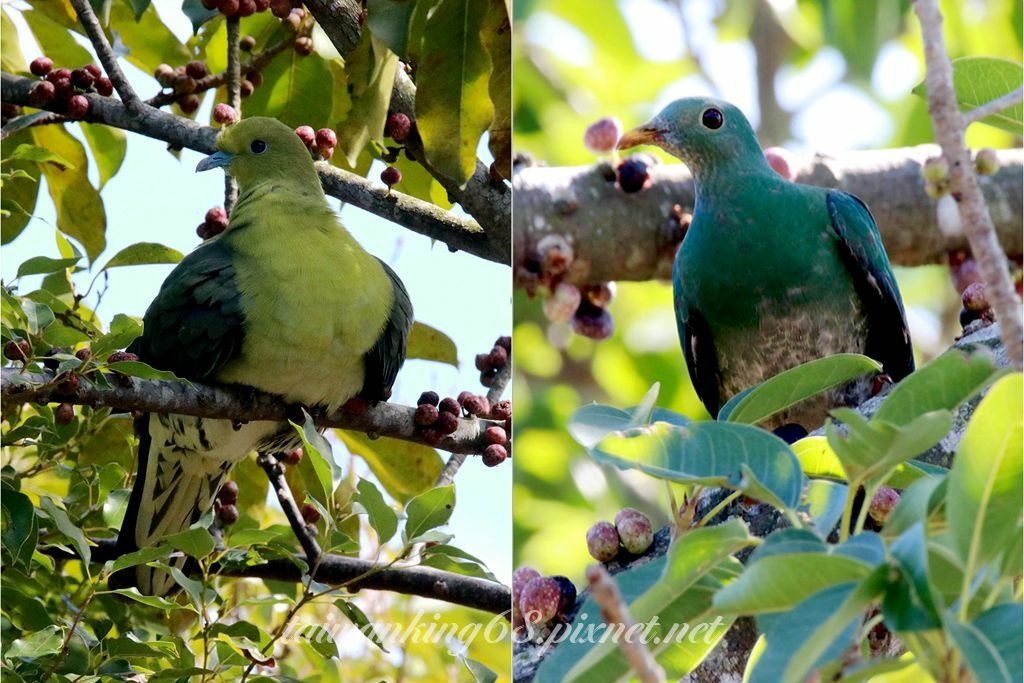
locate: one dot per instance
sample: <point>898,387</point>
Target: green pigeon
<point>284,301</point>
<point>771,273</point>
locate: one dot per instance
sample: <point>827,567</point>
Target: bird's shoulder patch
<point>195,323</point>
<point>383,361</point>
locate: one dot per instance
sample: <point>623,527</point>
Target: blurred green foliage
<point>578,60</point>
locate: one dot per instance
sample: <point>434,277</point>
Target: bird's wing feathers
<point>194,326</point>
<point>382,362</point>
<point>701,360</point>
<point>861,249</point>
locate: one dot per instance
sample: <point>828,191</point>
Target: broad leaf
<point>427,511</point>
<point>428,343</point>
<point>403,468</point>
<point>382,518</point>
<point>991,643</point>
<point>143,253</point>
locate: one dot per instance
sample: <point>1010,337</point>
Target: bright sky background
<point>154,197</point>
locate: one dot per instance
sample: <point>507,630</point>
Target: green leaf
<point>360,621</point>
<point>790,567</point>
<point>737,456</point>
<point>80,212</point>
<point>979,80</point>
<point>388,21</point>
<point>985,483</point>
<point>317,469</point>
<point>824,500</point>
<point>320,639</point>
<point>136,368</point>
<point>143,253</point>
<point>382,518</point>
<point>197,13</point>
<point>480,672</point>
<point>39,155</point>
<point>991,643</point>
<point>196,543</point>
<point>943,384</point>
<point>795,385</point>
<point>19,531</point>
<point>497,38</point>
<point>11,59</point>
<point>18,192</point>
<point>39,265</point>
<point>872,450</point>
<point>108,145</point>
<point>127,646</point>
<point>296,90</point>
<point>427,511</point>
<point>151,600</point>
<point>592,423</point>
<point>428,343</point>
<point>139,557</point>
<point>45,642</point>
<point>370,68</point>
<point>403,468</point>
<point>909,604</point>
<point>676,598</point>
<point>54,38</point>
<point>817,459</point>
<point>149,41</point>
<point>453,105</point>
<point>450,558</point>
<point>60,519</point>
<point>139,7</point>
<point>123,331</point>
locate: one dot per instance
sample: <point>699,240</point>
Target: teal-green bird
<point>284,301</point>
<point>772,273</point>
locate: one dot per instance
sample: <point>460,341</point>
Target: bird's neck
<point>724,180</point>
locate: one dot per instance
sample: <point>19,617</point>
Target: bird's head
<point>702,132</point>
<point>259,148</point>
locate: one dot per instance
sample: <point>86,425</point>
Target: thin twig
<point>106,54</point>
<point>995,106</point>
<point>616,614</point>
<point>234,87</point>
<point>275,473</point>
<point>948,124</point>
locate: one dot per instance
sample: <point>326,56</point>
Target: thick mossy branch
<point>336,570</point>
<point>162,396</point>
<point>456,232</point>
<point>620,236</point>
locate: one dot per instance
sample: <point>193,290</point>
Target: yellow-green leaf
<point>108,147</point>
<point>497,38</point>
<point>11,58</point>
<point>143,253</point>
<point>428,343</point>
<point>404,469</point>
<point>453,104</point>
<point>371,75</point>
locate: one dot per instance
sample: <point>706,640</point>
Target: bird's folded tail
<point>178,477</point>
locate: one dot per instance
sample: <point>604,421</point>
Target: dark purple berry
<point>391,176</point>
<point>568,599</point>
<point>505,343</point>
<point>426,415</point>
<point>450,405</point>
<point>41,94</point>
<point>498,357</point>
<point>119,356</point>
<point>446,423</point>
<point>633,174</point>
<point>428,397</point>
<point>82,79</point>
<point>502,410</point>
<point>84,354</point>
<point>432,437</point>
<point>310,513</point>
<point>64,414</point>
<point>104,86</point>
<point>591,321</point>
<point>397,127</point>
<point>494,455</point>
<point>483,362</point>
<point>227,515</point>
<point>17,349</point>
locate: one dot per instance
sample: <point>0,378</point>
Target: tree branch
<point>948,125</point>
<point>620,236</point>
<point>179,132</point>
<point>233,82</point>
<point>163,396</point>
<point>995,106</point>
<point>306,537</point>
<point>426,582</point>
<point>106,54</point>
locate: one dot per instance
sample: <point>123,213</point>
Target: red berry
<point>227,515</point>
<point>494,455</point>
<point>211,4</point>
<point>293,457</point>
<point>84,354</point>
<point>59,75</point>
<point>119,356</point>
<point>477,405</point>
<point>189,103</point>
<point>224,113</point>
<point>498,357</point>
<point>41,94</point>
<point>17,349</point>
<point>505,343</point>
<point>307,135</point>
<point>310,513</point>
<point>94,70</point>
<point>229,8</point>
<point>482,362</point>
<point>246,87</point>
<point>502,410</point>
<point>228,494</point>
<point>104,86</point>
<point>520,578</point>
<point>325,137</point>
<point>432,437</point>
<point>446,423</point>
<point>426,415</point>
<point>603,541</point>
<point>64,414</point>
<point>634,528</point>
<point>882,503</point>
<point>602,135</point>
<point>357,405</point>
<point>78,106</point>
<point>196,69</point>
<point>974,297</point>
<point>428,397</point>
<point>450,405</point>
<point>463,395</point>
<point>391,176</point>
<point>41,66</point>
<point>82,79</point>
<point>495,435</point>
<point>255,77</point>
<point>540,599</point>
<point>262,5</point>
<point>781,162</point>
<point>70,383</point>
<point>280,8</point>
<point>326,153</point>
<point>397,127</point>
<point>246,8</point>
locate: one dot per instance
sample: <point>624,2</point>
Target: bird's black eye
<point>258,146</point>
<point>712,118</point>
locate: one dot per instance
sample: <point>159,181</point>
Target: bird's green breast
<point>314,303</point>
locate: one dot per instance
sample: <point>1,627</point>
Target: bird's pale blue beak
<point>215,160</point>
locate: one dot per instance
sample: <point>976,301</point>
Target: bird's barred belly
<point>782,342</point>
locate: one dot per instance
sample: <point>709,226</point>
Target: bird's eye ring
<point>258,146</point>
<point>712,118</point>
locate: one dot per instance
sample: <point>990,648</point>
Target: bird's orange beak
<point>647,134</point>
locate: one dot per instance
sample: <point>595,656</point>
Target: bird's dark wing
<point>382,362</point>
<point>194,325</point>
<point>860,247</point>
<point>701,359</point>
